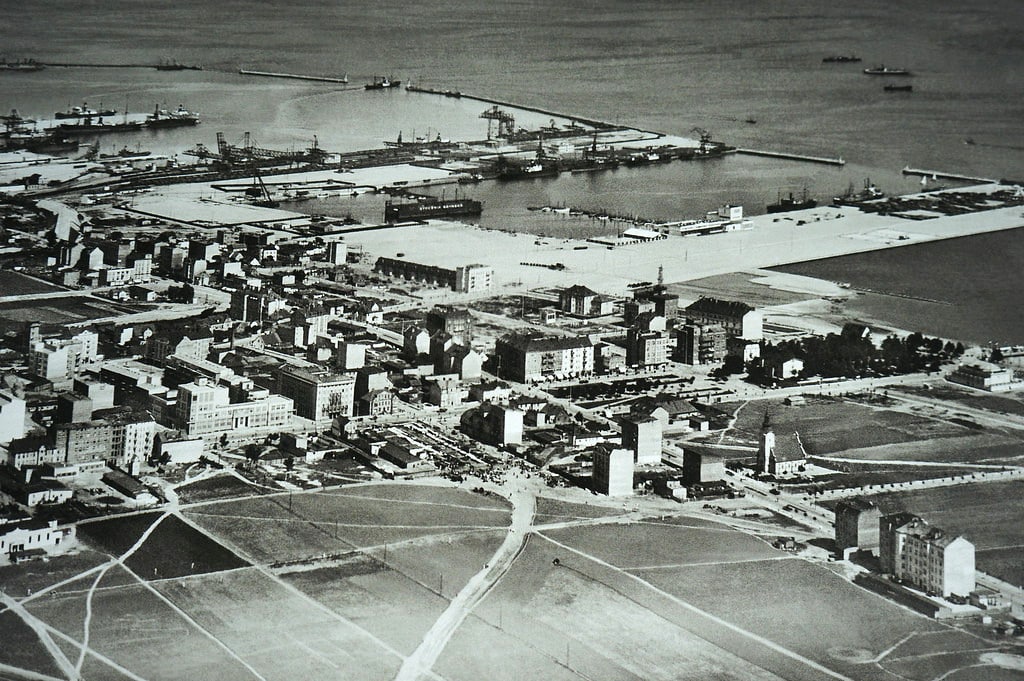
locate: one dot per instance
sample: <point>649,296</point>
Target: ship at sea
<point>898,88</point>
<point>883,70</point>
<point>382,83</point>
<point>22,66</point>
<point>425,207</point>
<point>180,117</point>
<point>84,112</point>
<point>90,126</point>
<point>840,59</point>
<point>788,203</point>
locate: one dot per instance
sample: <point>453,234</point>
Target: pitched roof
<point>788,448</point>
<point>537,343</point>
<point>730,308</point>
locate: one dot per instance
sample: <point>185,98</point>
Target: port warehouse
<point>466,278</point>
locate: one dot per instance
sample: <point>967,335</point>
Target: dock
<point>793,157</point>
<point>935,174</point>
<point>294,76</point>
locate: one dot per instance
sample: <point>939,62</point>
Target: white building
<point>472,278</point>
<point>927,557</point>
<point>613,471</point>
<point>12,417</point>
<point>205,410</point>
<point>985,376</point>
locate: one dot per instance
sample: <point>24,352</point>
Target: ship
<point>425,207</point>
<point>883,70</point>
<point>788,203</point>
<point>40,142</point>
<point>382,82</point>
<point>180,117</point>
<point>898,88</point>
<point>851,197</point>
<point>88,127</point>
<point>168,65</point>
<point>840,59</point>
<point>22,65</point>
<point>84,112</point>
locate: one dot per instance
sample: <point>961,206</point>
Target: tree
<point>252,453</point>
<point>289,463</point>
<point>996,356</point>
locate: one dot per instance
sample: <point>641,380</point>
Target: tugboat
<point>883,70</point>
<point>840,59</point>
<point>382,83</point>
<point>786,204</point>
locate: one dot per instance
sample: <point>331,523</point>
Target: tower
<point>766,446</point>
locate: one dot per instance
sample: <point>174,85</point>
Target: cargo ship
<point>84,112</point>
<point>382,82</point>
<point>883,70</point>
<point>426,207</point>
<point>840,59</point>
<point>851,197</point>
<point>180,117</point>
<point>786,204</point>
<point>88,127</point>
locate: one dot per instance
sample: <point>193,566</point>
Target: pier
<point>935,174</point>
<point>601,125</point>
<point>793,157</point>
<point>294,76</point>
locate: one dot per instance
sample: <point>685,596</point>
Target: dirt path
<point>422,660</point>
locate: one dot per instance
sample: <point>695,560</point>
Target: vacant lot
<point>998,404</point>
<point>217,487</point>
<point>981,448</point>
<point>636,545</point>
<point>828,426</point>
<point>553,510</point>
<point>134,628</point>
<point>278,631</point>
<point>22,648</point>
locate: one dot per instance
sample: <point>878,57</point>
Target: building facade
<point>530,357</point>
<point>738,319</point>
<point>927,557</point>
<point>318,396</point>
<point>613,471</point>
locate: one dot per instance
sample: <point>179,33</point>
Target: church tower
<point>766,447</point>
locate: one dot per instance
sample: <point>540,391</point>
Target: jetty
<point>295,76</point>
<point>793,157</point>
<point>907,170</point>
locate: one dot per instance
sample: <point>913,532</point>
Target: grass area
<point>553,510</point>
<point>431,494</point>
<point>645,544</point>
<point>22,647</point>
<point>278,632</point>
<point>218,487</point>
<point>801,606</point>
<point>830,426</point>
<point>137,630</point>
<point>118,534</point>
<point>25,578</point>
<point>17,284</point>
<point>998,404</point>
<point>383,601</point>
<point>984,448</point>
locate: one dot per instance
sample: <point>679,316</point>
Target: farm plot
<point>278,631</point>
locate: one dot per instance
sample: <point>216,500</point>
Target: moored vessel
<point>425,207</point>
<point>883,70</point>
<point>788,203</point>
<point>382,83</point>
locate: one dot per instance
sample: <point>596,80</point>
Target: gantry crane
<point>506,122</point>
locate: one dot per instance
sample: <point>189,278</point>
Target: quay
<point>934,174</point>
<point>793,157</point>
<point>294,76</point>
<point>159,67</point>
<point>600,125</point>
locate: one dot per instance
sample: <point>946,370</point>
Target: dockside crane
<point>506,123</point>
<point>705,139</point>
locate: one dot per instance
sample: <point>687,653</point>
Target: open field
<point>989,514</point>
<point>385,602</point>
<point>981,448</point>
<point>630,546</point>
<point>22,647</point>
<point>280,633</point>
<point>217,487</point>
<point>830,426</point>
<point>56,310</point>
<point>17,284</point>
<point>999,404</point>
<point>554,510</point>
<point>134,628</point>
<point>25,578</point>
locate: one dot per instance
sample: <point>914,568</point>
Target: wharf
<point>601,125</point>
<point>935,174</point>
<point>793,157</point>
<point>294,76</point>
<point>159,67</point>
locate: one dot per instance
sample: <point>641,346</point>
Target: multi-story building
<point>55,361</point>
<point>531,357</point>
<point>700,344</point>
<point>700,467</point>
<point>642,436</point>
<point>473,278</point>
<point>738,319</point>
<point>494,424</point>
<point>927,557</point>
<point>613,471</point>
<point>204,409</point>
<point>116,436</point>
<point>857,525</point>
<point>12,417</point>
<point>646,348</point>
<point>984,376</point>
<point>454,321</point>
<point>318,395</point>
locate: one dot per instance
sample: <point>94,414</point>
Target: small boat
<point>382,82</point>
<point>840,59</point>
<point>883,70</point>
<point>898,88</point>
<point>23,65</point>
